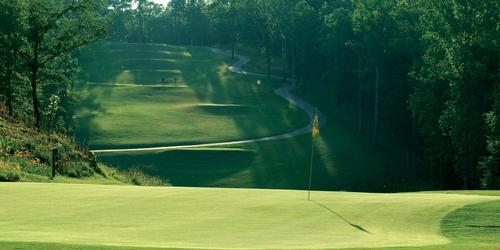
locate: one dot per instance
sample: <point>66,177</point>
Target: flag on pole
<point>315,127</point>
<point>314,132</point>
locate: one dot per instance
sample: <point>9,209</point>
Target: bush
<point>137,177</point>
<point>9,176</point>
<point>77,169</point>
<point>136,181</point>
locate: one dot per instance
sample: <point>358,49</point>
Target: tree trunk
<point>302,65</point>
<point>289,60</point>
<point>293,63</point>
<point>441,173</point>
<point>466,181</point>
<point>375,118</point>
<point>143,30</point>
<point>233,28</point>
<point>34,96</point>
<point>413,143</point>
<point>494,173</point>
<point>360,103</point>
<point>268,59</point>
<point>284,58</point>
<point>9,95</point>
<point>232,49</point>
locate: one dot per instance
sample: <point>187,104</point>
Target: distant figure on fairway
<point>175,79</point>
<point>163,80</point>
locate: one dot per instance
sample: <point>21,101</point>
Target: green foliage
<point>38,38</point>
<point>26,155</point>
<point>11,42</point>
<point>9,175</point>
<point>453,82</point>
<point>490,164</point>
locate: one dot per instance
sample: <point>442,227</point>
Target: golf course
<point>217,126</point>
<point>209,104</point>
<point>249,124</point>
<point>140,95</point>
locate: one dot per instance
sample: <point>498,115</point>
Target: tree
<point>119,12</point>
<point>338,47</point>
<point>373,25</point>
<point>10,39</point>
<point>457,64</point>
<point>55,28</point>
<point>224,18</point>
<point>304,27</point>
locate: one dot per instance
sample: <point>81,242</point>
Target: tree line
<point>423,75</point>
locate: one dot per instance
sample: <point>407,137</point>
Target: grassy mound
<point>27,155</point>
<point>222,218</point>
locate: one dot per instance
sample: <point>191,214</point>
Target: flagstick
<point>311,169</point>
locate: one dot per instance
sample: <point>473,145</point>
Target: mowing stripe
<point>107,84</point>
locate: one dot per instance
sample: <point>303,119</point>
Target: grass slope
<point>342,162</point>
<point>212,104</point>
<point>131,216</point>
<point>26,156</point>
<point>126,104</point>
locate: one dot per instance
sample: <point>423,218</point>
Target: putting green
<point>221,218</point>
<point>140,95</point>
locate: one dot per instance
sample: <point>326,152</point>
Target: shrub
<point>137,177</point>
<point>76,169</point>
<point>9,176</point>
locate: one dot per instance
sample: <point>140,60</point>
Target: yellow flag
<point>315,127</point>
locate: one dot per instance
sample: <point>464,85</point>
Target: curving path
<point>285,92</point>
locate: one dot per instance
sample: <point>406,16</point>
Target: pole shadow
<point>358,227</point>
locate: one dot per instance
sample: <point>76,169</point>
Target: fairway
<point>138,95</point>
<point>221,218</point>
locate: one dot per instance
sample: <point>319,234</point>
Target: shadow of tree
<point>201,167</point>
<point>280,164</point>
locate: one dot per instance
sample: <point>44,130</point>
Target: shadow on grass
<point>358,227</point>
<point>201,167</point>
<point>223,109</point>
<point>88,109</point>
<point>128,63</point>
<point>214,83</point>
<point>342,162</point>
<point>475,223</point>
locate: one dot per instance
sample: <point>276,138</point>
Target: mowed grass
<point>342,161</point>
<point>136,95</point>
<point>128,216</point>
<point>121,115</point>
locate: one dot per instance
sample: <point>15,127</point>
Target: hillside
<point>26,156</point>
<point>211,104</point>
<point>143,95</point>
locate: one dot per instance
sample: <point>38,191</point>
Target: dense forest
<point>422,74</point>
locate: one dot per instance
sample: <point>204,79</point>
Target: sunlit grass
<point>224,218</point>
<point>213,104</point>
